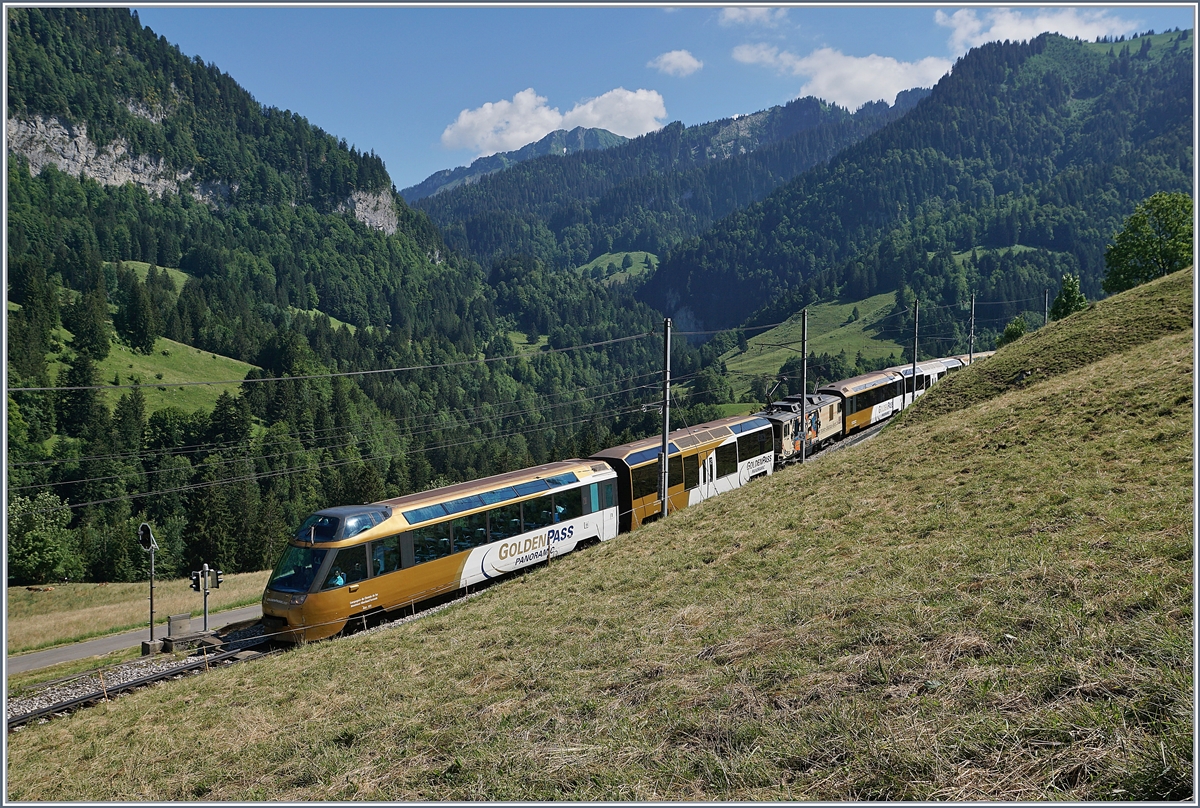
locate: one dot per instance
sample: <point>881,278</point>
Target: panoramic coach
<point>867,399</point>
<point>703,461</point>
<point>355,561</point>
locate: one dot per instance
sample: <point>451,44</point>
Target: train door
<point>608,502</point>
<point>346,589</point>
<point>708,474</point>
<point>600,500</point>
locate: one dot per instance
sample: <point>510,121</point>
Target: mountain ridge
<point>1046,144</point>
<point>653,190</point>
<point>558,142</point>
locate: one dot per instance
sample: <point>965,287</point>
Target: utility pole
<point>916,319</point>
<point>971,353</point>
<point>663,478</point>
<point>1046,309</point>
<point>804,386</point>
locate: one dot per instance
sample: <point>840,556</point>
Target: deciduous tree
<point>1156,241</point>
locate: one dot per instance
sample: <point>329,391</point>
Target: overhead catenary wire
<point>195,448</point>
<point>224,461</point>
<point>319,466</point>
<point>311,376</point>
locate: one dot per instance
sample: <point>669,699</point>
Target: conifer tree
<point>78,409</point>
<point>1069,299</point>
<point>90,319</point>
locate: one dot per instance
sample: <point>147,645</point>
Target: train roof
<point>867,381</point>
<point>647,449</point>
<point>462,497</point>
<point>925,366</point>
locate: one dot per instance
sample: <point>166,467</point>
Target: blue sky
<point>433,88</point>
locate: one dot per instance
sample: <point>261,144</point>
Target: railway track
<point>70,693</point>
<point>65,695</point>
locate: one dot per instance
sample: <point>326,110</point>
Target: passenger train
<point>348,564</point>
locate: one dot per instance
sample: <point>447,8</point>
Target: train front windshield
<point>297,570</point>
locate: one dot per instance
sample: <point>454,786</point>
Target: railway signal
<point>204,580</point>
<point>146,539</point>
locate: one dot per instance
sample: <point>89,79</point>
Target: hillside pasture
<point>992,606</point>
<point>830,330</point>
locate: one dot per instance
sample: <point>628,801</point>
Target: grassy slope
<point>179,363</point>
<point>174,360</point>
<point>621,275</point>
<point>1109,326</point>
<point>996,608</point>
<point>828,332</point>
<point>142,268</point>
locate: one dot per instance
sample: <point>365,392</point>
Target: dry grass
<point>1161,307</point>
<point>74,612</point>
<point>997,609</point>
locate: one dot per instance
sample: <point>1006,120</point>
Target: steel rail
<point>106,693</point>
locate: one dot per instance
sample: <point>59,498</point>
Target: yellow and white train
<point>350,563</point>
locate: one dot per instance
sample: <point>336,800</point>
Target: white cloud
<point>768,56</point>
<point>506,125</point>
<point>676,63</point>
<point>770,17</point>
<point>968,29</point>
<point>620,111</point>
<point>847,80</point>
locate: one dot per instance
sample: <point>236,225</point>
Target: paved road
<point>117,642</point>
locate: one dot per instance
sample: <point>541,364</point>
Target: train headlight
<point>298,600</point>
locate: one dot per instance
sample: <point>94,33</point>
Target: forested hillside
<point>100,67</point>
<point>1019,167</point>
<point>262,272</point>
<point>653,191</point>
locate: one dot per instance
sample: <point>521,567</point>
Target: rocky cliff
<point>376,209</point>
<point>45,140</point>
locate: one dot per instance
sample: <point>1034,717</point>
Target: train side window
<point>385,555</point>
<point>470,531</point>
<point>504,522</point>
<point>591,498</point>
<point>752,444</point>
<point>569,504</point>
<point>349,567</point>
<point>356,524</point>
<point>675,471</point>
<point>691,471</point>
<point>608,495</point>
<point>727,459</point>
<point>431,542</point>
<point>645,481</point>
<point>538,512</point>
